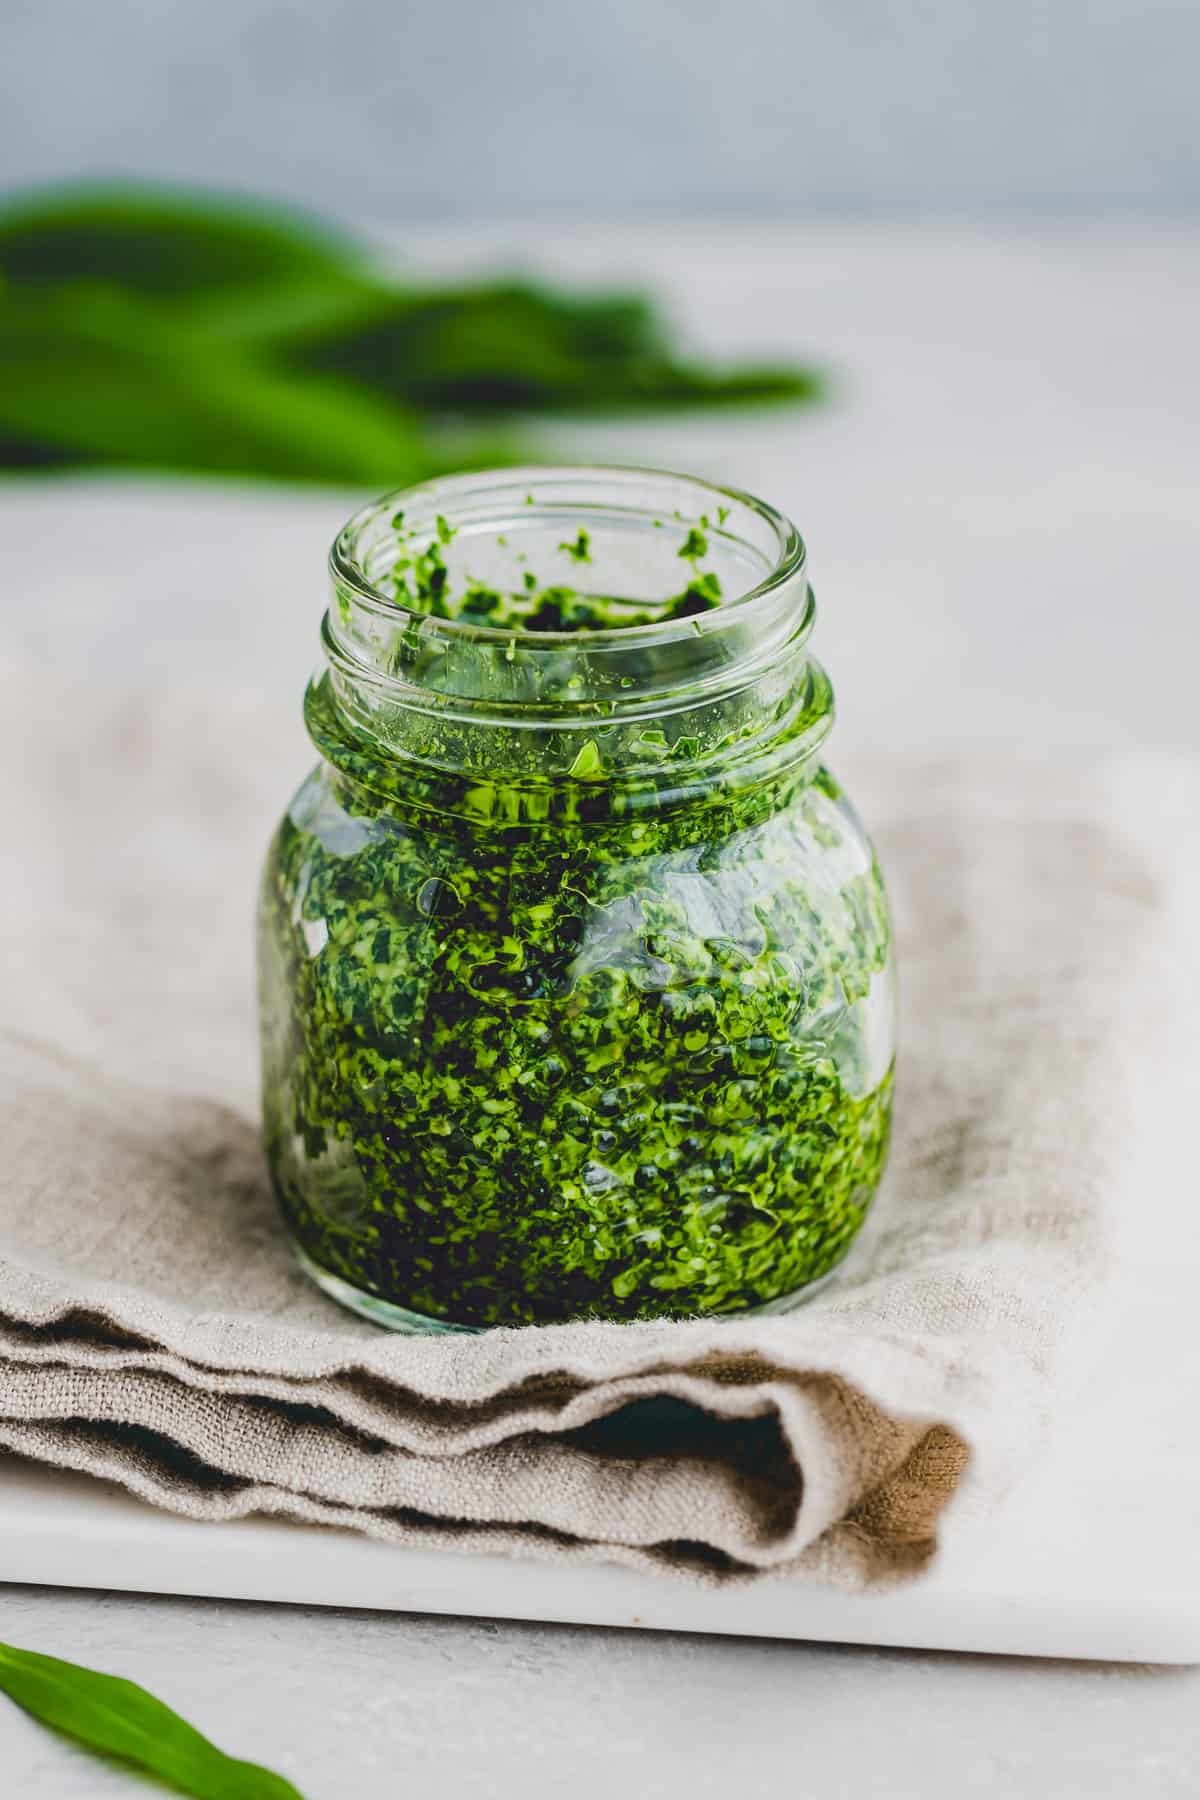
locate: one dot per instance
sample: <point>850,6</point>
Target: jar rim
<point>446,495</point>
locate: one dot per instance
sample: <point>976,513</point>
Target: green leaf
<point>120,1719</point>
<point>512,347</point>
<point>164,243</point>
<point>89,370</point>
<point>153,330</point>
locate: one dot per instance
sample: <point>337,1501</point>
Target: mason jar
<point>575,961</point>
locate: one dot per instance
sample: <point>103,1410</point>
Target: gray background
<point>557,109</point>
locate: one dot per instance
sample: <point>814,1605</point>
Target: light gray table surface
<point>1002,516</point>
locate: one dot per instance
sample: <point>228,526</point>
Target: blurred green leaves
<point>93,371</point>
<point>151,331</point>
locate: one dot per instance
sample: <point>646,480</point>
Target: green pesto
<point>536,1050</point>
<point>420,582</point>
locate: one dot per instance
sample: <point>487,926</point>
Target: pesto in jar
<point>575,962</point>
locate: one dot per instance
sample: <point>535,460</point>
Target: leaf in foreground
<point>120,1719</point>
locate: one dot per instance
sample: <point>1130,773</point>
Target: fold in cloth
<point>154,1330</point>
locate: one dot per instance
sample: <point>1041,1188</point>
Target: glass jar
<point>575,962</point>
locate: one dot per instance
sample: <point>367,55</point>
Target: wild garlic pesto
<point>575,962</point>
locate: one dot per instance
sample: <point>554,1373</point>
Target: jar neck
<point>560,634</point>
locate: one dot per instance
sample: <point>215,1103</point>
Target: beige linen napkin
<point>154,1330</point>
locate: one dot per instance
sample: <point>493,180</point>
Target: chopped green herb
<point>701,595</point>
<point>579,549</point>
<point>587,765</point>
<point>540,1046</point>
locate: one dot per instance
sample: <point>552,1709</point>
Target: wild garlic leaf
<point>117,1718</point>
<point>163,243</point>
<point>104,376</point>
<point>516,347</point>
<point>151,329</point>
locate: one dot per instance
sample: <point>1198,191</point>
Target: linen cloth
<point>155,1331</point>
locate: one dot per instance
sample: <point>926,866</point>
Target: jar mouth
<point>728,675</point>
<point>732,553</point>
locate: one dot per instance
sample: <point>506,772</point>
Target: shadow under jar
<point>575,962</point>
